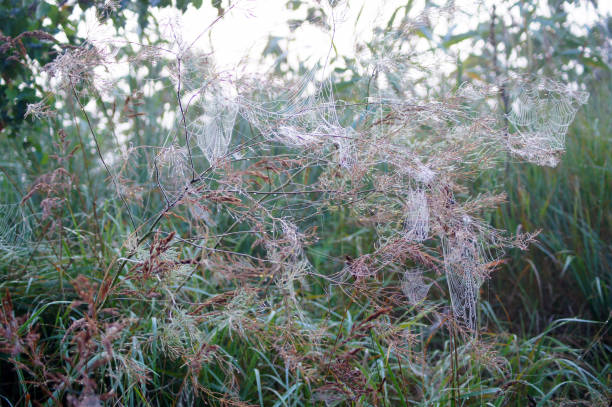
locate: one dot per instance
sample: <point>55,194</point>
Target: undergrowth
<point>196,236</point>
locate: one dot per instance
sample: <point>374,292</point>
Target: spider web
<point>212,128</point>
<point>413,285</point>
<point>15,230</point>
<point>416,224</point>
<point>541,113</point>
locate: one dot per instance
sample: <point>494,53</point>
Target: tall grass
<point>568,272</point>
<point>267,269</point>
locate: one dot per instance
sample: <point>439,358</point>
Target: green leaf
<point>455,39</point>
<point>594,63</point>
<point>182,4</point>
<point>294,4</point>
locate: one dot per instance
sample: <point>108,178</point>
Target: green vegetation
<point>178,235</point>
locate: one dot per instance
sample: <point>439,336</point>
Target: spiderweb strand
<point>413,285</point>
<point>541,112</point>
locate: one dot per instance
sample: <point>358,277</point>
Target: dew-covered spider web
<point>302,116</point>
<point>217,109</point>
<point>414,286</point>
<point>416,224</point>
<point>540,113</point>
<point>15,230</point>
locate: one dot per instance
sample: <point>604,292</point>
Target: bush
<point>223,238</point>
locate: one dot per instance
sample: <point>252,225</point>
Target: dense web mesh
<point>302,116</point>
<point>15,230</point>
<point>346,153</point>
<point>413,285</point>
<point>467,258</point>
<point>416,224</point>
<point>213,126</point>
<point>172,169</point>
<point>460,264</point>
<point>541,113</point>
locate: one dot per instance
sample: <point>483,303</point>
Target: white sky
<point>245,29</point>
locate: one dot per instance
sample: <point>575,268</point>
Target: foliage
<point>28,43</point>
<point>190,235</point>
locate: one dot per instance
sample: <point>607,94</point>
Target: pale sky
<point>245,29</point>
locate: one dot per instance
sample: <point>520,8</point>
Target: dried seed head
<point>39,110</point>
